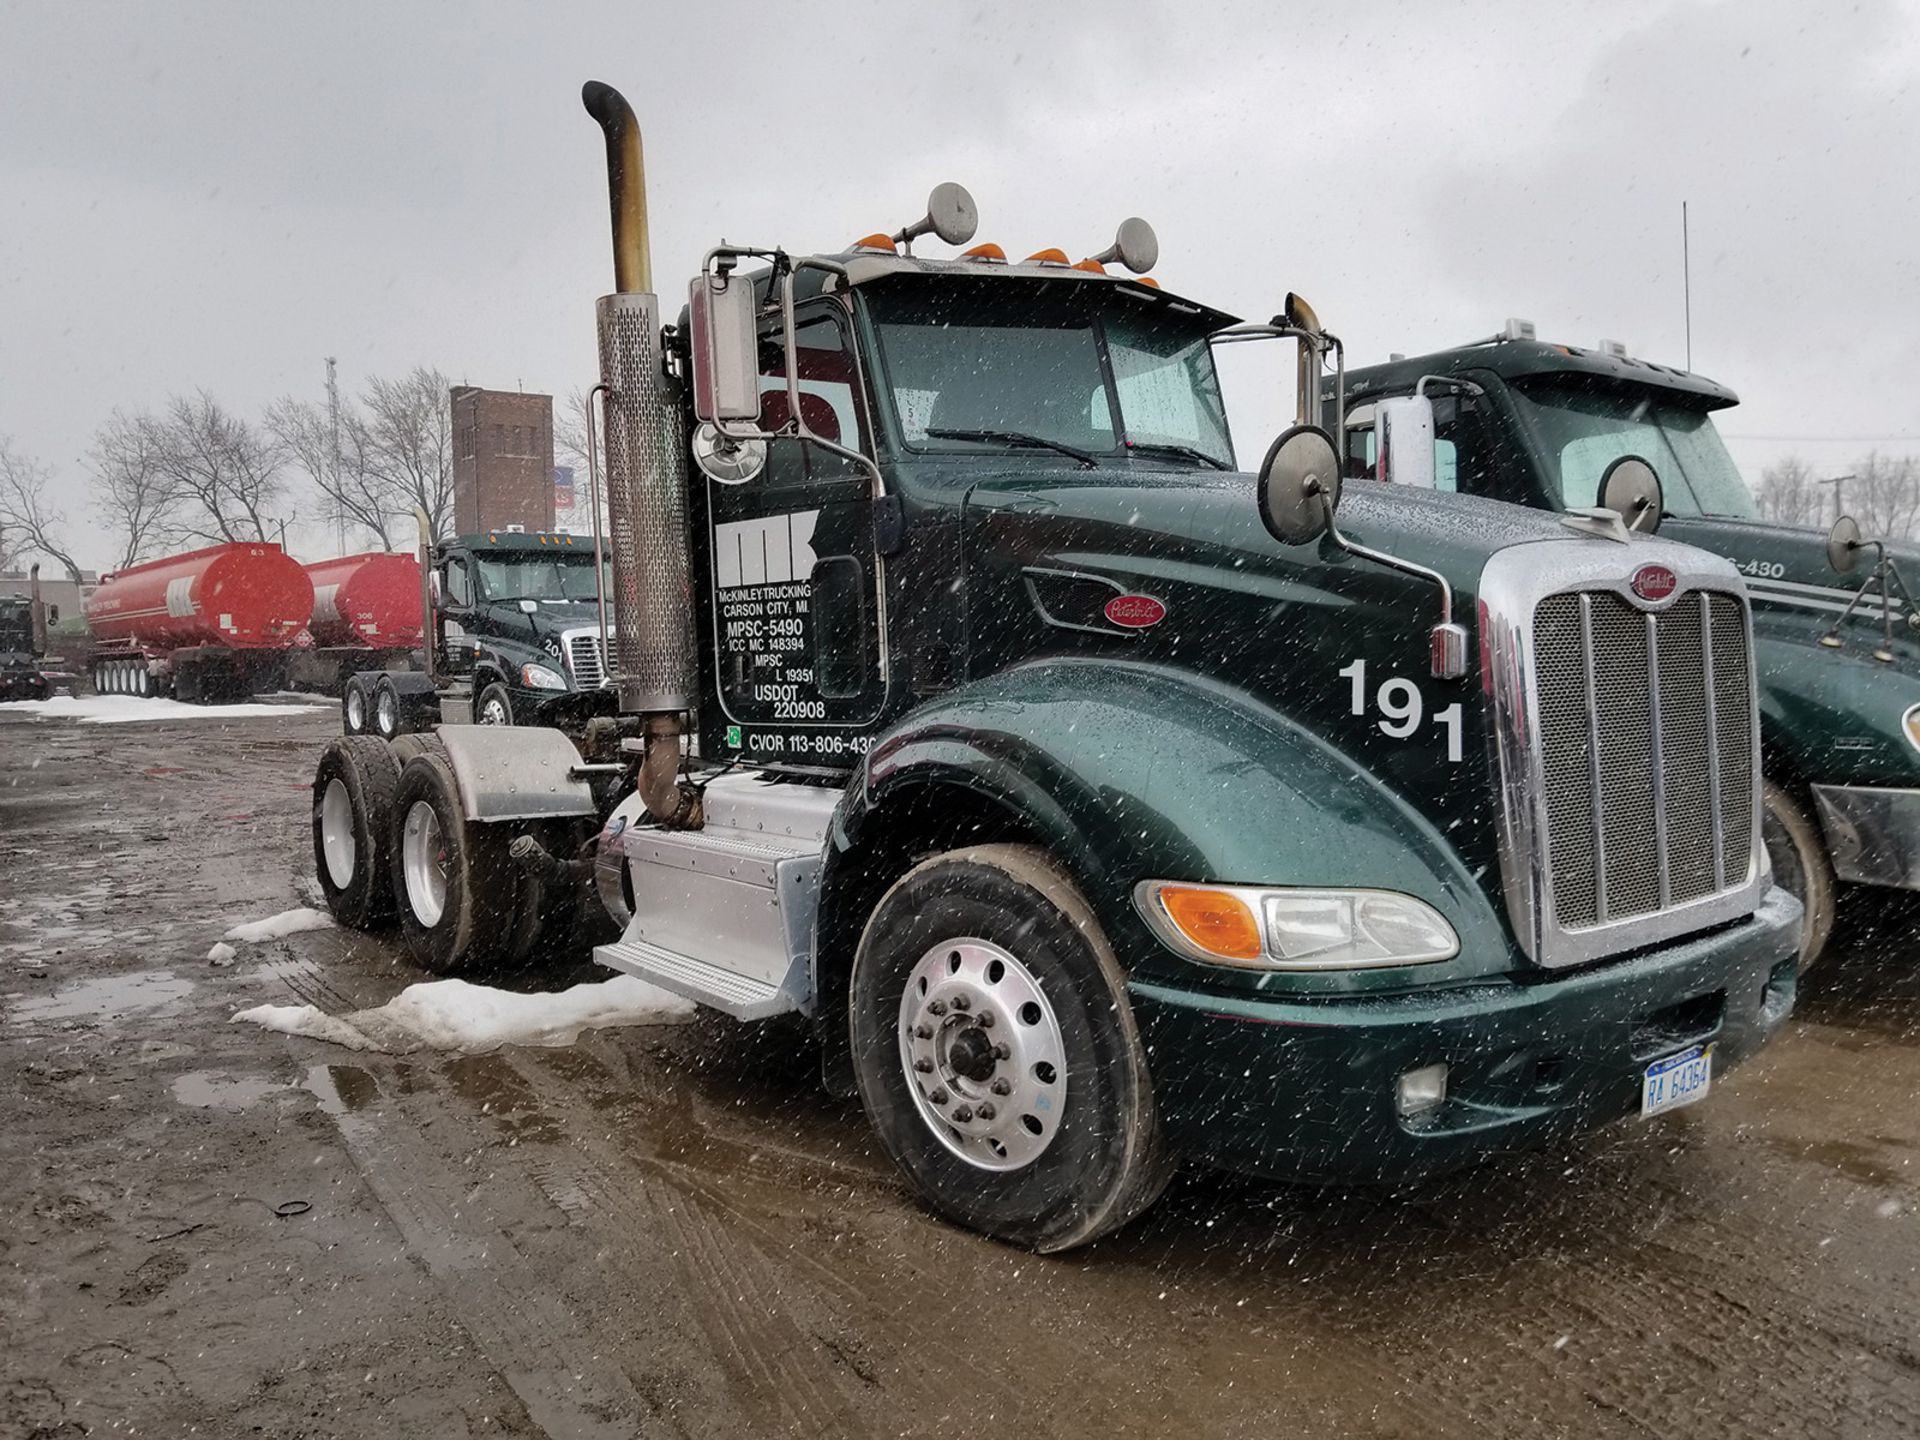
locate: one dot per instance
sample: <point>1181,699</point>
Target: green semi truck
<point>1096,806</point>
<point>1836,631</point>
<point>23,643</point>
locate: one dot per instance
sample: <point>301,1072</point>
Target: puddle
<point>503,1094</point>
<point>342,1090</point>
<point>217,1090</point>
<point>111,997</point>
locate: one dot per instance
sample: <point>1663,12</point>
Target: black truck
<point>23,643</point>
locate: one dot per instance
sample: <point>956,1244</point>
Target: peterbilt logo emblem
<point>1654,582</point>
<point>1134,612</point>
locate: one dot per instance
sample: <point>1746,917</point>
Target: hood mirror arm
<point>1885,579</point>
<point>1447,641</point>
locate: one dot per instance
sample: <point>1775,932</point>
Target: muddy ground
<point>672,1231</point>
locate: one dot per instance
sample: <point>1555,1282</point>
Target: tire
<point>496,703</point>
<point>353,790</point>
<point>1800,867</point>
<point>389,717</point>
<point>453,884</point>
<point>1072,1147</point>
<point>355,706</point>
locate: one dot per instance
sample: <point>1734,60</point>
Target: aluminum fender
<point>1128,771</point>
<point>516,772</point>
<point>1834,717</point>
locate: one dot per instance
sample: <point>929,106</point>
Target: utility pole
<point>333,413</point>
<point>1839,483</point>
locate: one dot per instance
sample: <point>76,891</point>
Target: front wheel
<point>996,1052</point>
<point>494,707</point>
<point>1800,867</point>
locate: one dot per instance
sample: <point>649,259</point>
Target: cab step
<point>742,996</point>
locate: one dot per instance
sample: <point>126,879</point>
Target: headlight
<point>539,677</point>
<point>1281,928</point>
<point>1910,722</point>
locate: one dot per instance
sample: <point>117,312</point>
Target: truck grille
<point>586,659</point>
<point>1647,751</point>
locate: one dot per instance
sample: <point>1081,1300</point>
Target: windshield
<point>1098,378</point>
<point>538,577</point>
<point>1584,428</point>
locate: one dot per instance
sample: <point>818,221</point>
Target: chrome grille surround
<point>585,660</point>
<point>1624,819</point>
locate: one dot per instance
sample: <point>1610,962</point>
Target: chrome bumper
<point>1873,835</point>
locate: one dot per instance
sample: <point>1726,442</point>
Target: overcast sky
<point>221,195</point>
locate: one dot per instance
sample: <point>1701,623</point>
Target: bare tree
<point>355,487</point>
<point>408,428</point>
<point>570,448</point>
<point>29,522</point>
<point>1788,493</point>
<point>131,487</point>
<point>224,473</point>
<point>1883,494</point>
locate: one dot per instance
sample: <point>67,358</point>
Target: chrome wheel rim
<point>493,711</point>
<point>336,833</point>
<point>423,860</point>
<point>356,710</point>
<point>386,714</point>
<point>983,1054</point>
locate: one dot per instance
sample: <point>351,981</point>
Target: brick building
<point>502,460</point>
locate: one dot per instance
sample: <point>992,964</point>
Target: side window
<point>459,588</point>
<point>829,402</point>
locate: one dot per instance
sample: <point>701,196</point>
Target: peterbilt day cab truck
<point>23,642</point>
<point>1098,806</point>
<point>517,633</point>
<point>1836,631</point>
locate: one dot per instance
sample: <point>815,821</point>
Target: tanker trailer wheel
<point>495,706</point>
<point>353,791</point>
<point>354,706</point>
<point>1800,867</point>
<point>996,1052</point>
<point>453,880</point>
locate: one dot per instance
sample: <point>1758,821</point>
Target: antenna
<point>1686,281</point>
<point>333,415</point>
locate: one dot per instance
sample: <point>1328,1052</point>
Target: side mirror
<point>1630,488</point>
<point>53,614</point>
<point>433,588</point>
<point>1403,452</point>
<point>726,459</point>
<point>1300,485</point>
<point>1844,545</point>
<point>726,370</point>
<point>1134,246</point>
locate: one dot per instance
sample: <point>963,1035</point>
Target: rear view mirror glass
<point>1404,449</point>
<point>1299,485</point>
<point>726,376</point>
<point>1631,489</point>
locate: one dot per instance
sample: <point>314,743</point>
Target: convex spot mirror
<point>1134,246</point>
<point>722,316</point>
<point>1630,488</point>
<point>1403,442</point>
<point>1300,485</point>
<point>951,214</point>
<point>1844,545</point>
<point>727,459</point>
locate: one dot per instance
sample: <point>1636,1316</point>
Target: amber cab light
<point>1049,256</point>
<point>985,250</point>
<point>1213,920</point>
<point>877,242</point>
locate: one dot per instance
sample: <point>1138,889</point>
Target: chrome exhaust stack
<point>646,481</point>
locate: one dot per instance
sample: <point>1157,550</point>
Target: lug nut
<point>1003,1086</point>
<point>923,1031</point>
<point>938,1097</point>
<point>1002,1051</point>
<point>962,1114</point>
<point>985,1018</point>
<point>937,1007</point>
<point>961,1002</point>
<point>924,1066</point>
<point>986,1110</point>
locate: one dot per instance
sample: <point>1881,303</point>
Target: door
<point>455,613</point>
<point>796,592</point>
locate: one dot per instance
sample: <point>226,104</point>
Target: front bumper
<point>1306,1089</point>
<point>1873,834</point>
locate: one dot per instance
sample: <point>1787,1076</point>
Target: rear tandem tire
<point>1800,867</point>
<point>453,881</point>
<point>354,706</point>
<point>389,719</point>
<point>353,790</point>
<point>1072,1148</point>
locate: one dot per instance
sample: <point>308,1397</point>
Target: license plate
<point>1677,1080</point>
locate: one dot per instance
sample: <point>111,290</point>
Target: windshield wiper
<point>1159,447</point>
<point>1018,437</point>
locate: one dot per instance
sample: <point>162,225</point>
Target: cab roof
<point>535,540</point>
<point>1513,359</point>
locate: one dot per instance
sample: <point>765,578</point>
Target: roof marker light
<point>1052,255</point>
<point>877,242</point>
<point>987,251</point>
<point>1146,280</point>
<point>1091,266</point>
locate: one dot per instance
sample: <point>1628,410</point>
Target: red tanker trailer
<point>212,624</point>
<point>366,616</point>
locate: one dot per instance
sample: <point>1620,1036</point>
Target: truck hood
<point>555,616</point>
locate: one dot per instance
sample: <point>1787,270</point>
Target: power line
<point>1826,439</point>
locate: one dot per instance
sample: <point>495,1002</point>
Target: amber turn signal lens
<point>1218,923</point>
<point>1049,256</point>
<point>877,242</point>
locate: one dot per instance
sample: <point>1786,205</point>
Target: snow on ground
<point>472,1019</point>
<point>129,709</point>
<point>276,927</point>
<point>221,954</point>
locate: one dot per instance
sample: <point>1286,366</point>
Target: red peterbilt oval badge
<point>1134,612</point>
<point>1654,582</point>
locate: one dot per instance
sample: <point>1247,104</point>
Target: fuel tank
<point>250,596</point>
<point>367,601</point>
